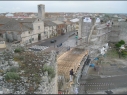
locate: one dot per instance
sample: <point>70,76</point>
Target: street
<point>114,77</point>
<point>59,39</point>
<point>104,83</point>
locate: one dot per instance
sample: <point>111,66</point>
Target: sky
<point>65,6</point>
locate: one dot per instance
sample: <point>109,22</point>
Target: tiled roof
<point>4,20</point>
<point>26,20</point>
<point>58,22</point>
<point>50,19</point>
<point>60,18</point>
<point>14,25</point>
<point>68,22</point>
<point>49,23</point>
<point>28,25</point>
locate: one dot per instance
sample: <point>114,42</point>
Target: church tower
<point>41,11</point>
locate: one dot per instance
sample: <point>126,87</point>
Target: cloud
<point>65,6</point>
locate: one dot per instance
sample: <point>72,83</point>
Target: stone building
<point>26,30</point>
<point>50,28</point>
<point>69,26</point>
<point>61,27</point>
<point>75,24</point>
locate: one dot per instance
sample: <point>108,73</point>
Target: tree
<point>118,45</point>
<point>122,42</point>
<point>120,51</point>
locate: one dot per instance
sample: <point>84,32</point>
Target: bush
<point>17,58</point>
<point>11,75</point>
<point>124,53</point>
<point>36,78</point>
<point>122,42</point>
<point>118,45</point>
<point>1,71</point>
<point>13,69</point>
<point>17,50</point>
<point>50,70</point>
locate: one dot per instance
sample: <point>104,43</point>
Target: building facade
<point>25,30</point>
<point>50,29</point>
<point>61,27</point>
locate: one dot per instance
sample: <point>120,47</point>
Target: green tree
<point>118,45</point>
<point>122,42</point>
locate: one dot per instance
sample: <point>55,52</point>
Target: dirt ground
<point>110,65</point>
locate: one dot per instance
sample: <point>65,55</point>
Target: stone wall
<point>123,29</point>
<point>25,84</point>
<point>118,32</point>
<point>11,36</point>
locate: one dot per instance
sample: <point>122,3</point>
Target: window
<point>38,19</point>
<point>29,32</point>
<point>32,39</point>
<point>38,27</point>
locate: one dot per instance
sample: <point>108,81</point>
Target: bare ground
<point>110,65</point>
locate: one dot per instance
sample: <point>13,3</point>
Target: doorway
<point>39,36</point>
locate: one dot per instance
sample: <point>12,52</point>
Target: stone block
<point>6,91</point>
<point>1,78</point>
<point>46,73</point>
<point>1,92</point>
<point>5,62</point>
<point>45,79</point>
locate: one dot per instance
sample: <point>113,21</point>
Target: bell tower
<point>41,11</point>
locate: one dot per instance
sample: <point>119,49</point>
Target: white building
<point>9,15</point>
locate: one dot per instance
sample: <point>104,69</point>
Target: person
<point>71,75</point>
<point>112,23</point>
<point>76,90</point>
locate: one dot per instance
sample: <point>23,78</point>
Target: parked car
<point>53,41</point>
<point>62,33</point>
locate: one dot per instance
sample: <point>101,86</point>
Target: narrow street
<point>59,39</point>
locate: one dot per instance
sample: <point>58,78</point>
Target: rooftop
<point>58,22</point>
<point>49,23</point>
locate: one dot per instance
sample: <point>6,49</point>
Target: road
<point>104,83</point>
<point>59,39</point>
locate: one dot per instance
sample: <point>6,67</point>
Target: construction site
<point>94,40</point>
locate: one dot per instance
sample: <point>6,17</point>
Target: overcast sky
<point>65,6</point>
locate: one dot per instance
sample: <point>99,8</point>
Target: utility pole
<point>54,44</point>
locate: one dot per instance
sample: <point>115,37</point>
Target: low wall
<point>2,44</point>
